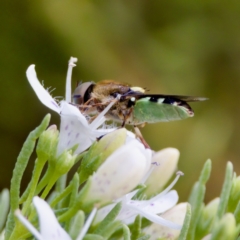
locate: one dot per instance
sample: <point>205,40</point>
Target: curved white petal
<point>42,94</point>
<point>162,204</point>
<point>50,229</point>
<point>74,129</point>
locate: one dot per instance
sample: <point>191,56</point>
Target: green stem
<point>52,181</point>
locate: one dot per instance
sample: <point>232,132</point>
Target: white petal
<point>74,129</point>
<point>50,229</point>
<point>120,173</point>
<point>162,204</point>
<point>42,94</point>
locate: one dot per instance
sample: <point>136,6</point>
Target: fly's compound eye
<point>82,93</point>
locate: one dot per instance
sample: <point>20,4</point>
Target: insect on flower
<point>134,107</point>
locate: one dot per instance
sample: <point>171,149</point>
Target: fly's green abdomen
<point>152,110</point>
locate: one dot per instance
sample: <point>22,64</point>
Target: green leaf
<point>76,224</point>
<point>19,169</point>
<point>111,228</point>
<point>196,201</point>
<point>136,228</point>
<point>186,224</point>
<point>126,232</point>
<point>225,193</point>
<point>108,219</point>
<point>206,172</point>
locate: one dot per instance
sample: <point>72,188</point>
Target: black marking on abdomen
<point>154,99</point>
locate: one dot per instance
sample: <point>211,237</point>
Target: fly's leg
<point>140,136</point>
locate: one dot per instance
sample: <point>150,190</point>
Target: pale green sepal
<point>225,228</point>
<point>93,237</point>
<point>186,223</point>
<point>234,194</point>
<point>61,183</point>
<point>47,143</point>
<point>19,169</point>
<point>126,232</point>
<point>108,219</point>
<point>225,193</point>
<point>100,151</point>
<point>136,228</point>
<point>76,224</point>
<point>237,213</point>
<point>4,207</point>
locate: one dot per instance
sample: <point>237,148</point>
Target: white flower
<point>50,229</point>
<point>121,172</point>
<point>146,208</point>
<point>74,128</point>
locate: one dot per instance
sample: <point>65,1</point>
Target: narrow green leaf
<point>76,224</point>
<point>19,169</point>
<point>108,219</point>
<point>136,228</point>
<point>206,171</point>
<point>196,201</point>
<point>79,204</point>
<point>186,224</point>
<point>126,232</point>
<point>226,189</point>
<point>62,195</point>
<point>111,228</point>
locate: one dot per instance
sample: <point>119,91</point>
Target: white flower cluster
<point>116,179</point>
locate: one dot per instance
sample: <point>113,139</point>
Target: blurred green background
<point>176,47</point>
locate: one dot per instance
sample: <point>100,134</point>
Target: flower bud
<point>120,173</point>
<point>225,229</point>
<point>47,143</point>
<point>100,151</point>
<point>64,162</point>
<point>207,217</point>
<point>176,215</point>
<point>165,164</point>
